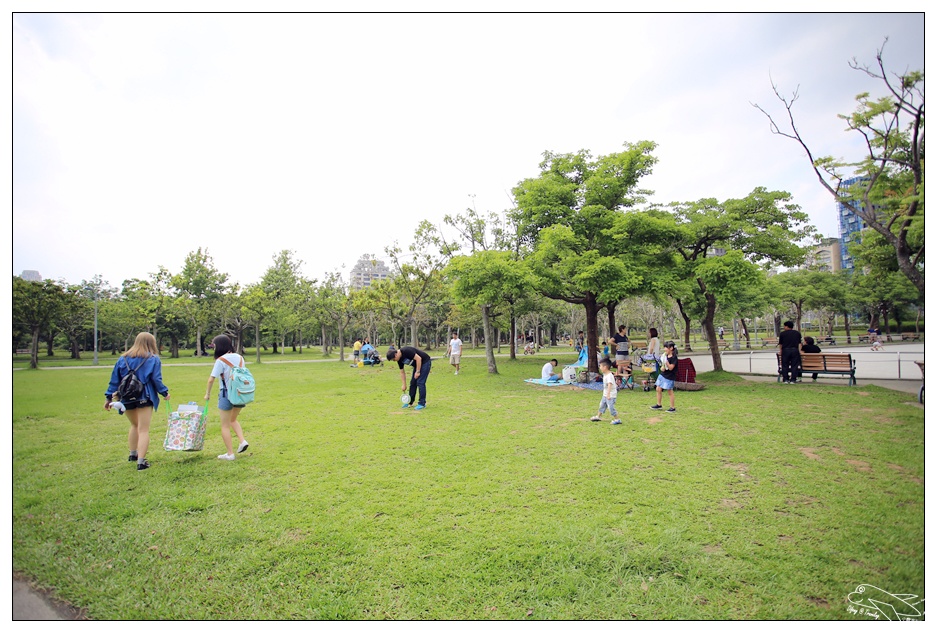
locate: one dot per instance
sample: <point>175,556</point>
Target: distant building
<point>367,270</point>
<point>850,225</point>
<point>31,275</point>
<point>827,256</point>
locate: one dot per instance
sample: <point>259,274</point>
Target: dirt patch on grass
<point>740,468</point>
<point>861,466</point>
<point>810,453</point>
<point>802,500</point>
<point>712,548</point>
<point>655,420</point>
<point>730,503</point>
<point>838,452</point>
<point>818,601</point>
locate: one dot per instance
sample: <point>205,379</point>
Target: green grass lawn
<point>499,501</point>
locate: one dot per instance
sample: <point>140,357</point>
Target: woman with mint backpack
<point>225,361</point>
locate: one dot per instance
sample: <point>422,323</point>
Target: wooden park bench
<point>906,337</point>
<point>24,351</point>
<point>824,364</point>
<point>828,340</point>
<point>864,338</point>
<point>770,342</point>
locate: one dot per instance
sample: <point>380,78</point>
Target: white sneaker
<point>456,372</point>
<point>243,446</point>
<point>226,457</point>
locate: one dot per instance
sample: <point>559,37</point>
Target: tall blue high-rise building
<point>850,225</point>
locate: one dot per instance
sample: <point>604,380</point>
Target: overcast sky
<point>138,138</point>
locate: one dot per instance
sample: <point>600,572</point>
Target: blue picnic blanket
<point>543,382</point>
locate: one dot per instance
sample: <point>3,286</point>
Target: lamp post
<point>95,326</point>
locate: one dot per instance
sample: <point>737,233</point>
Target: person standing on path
<point>143,359</point>
<point>421,363</point>
<point>790,342</point>
<point>454,351</point>
<point>225,361</point>
<point>357,350</point>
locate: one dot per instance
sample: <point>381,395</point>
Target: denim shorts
<point>665,383</point>
<point>224,403</point>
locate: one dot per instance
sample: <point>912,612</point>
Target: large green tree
<point>200,286</point>
<point>417,272</point>
<point>280,284</point>
<point>888,193</point>
<point>486,280</point>
<point>35,305</point>
<point>716,246</point>
<point>568,213</point>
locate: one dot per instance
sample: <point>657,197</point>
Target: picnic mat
<point>543,382</point>
<point>595,386</point>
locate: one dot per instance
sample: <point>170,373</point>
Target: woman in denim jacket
<point>143,358</point>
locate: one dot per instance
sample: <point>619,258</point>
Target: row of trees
<point>556,263</point>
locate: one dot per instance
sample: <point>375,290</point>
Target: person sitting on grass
<point>548,374</point>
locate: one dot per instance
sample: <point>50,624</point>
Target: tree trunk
<point>414,332</point>
<point>257,340</point>
<point>591,327</point>
<point>686,346</point>
<point>513,336</point>
<point>847,329</point>
<point>745,333</point>
<point>488,339</point>
<point>341,341</point>
<point>611,327</point>
<point>198,342</point>
<point>34,349</point>
<point>324,341</point>
<point>708,325</point>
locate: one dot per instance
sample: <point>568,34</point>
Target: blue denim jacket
<point>148,370</point>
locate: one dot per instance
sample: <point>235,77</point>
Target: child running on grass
<point>667,378</point>
<point>608,394</point>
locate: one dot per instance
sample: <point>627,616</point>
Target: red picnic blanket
<point>685,372</point>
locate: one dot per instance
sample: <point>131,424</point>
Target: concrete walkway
<point>30,604</point>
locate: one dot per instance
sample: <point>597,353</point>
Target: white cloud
<point>334,134</point>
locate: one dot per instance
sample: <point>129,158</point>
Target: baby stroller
<point>371,357</point>
<point>649,368</point>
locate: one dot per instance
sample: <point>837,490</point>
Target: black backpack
<point>130,389</point>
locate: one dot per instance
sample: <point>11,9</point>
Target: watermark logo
<point>872,602</point>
